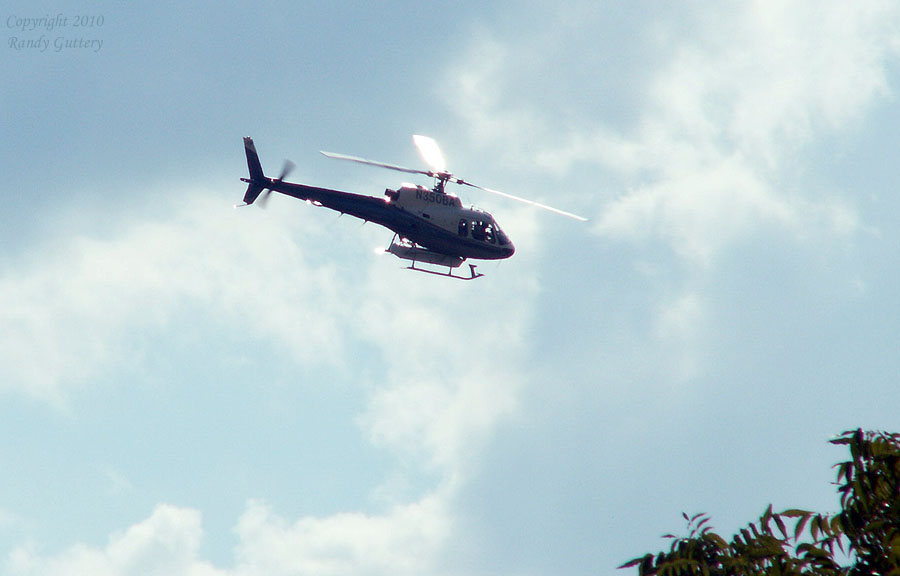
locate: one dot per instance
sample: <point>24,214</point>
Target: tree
<point>862,539</point>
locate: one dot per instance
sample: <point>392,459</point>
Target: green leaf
<point>720,542</point>
<point>801,524</point>
<point>635,562</point>
<point>817,552</point>
<point>755,531</point>
<point>780,523</point>
<point>795,513</point>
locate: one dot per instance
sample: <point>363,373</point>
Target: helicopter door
<point>478,231</point>
<point>463,227</point>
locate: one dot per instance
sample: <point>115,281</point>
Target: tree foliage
<point>862,539</point>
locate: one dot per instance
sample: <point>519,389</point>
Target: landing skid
<point>408,250</point>
<point>449,273</point>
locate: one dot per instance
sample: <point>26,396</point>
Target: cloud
<point>451,372</point>
<point>444,378</point>
<point>742,96</point>
<point>440,399</point>
<point>166,543</point>
<point>69,312</point>
<point>406,540</point>
<point>729,100</point>
<point>478,97</point>
<point>694,134</point>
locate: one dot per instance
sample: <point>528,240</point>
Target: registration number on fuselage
<point>436,197</point>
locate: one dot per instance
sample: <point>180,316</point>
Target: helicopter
<point>431,227</point>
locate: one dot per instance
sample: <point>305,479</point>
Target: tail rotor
<point>285,170</point>
<point>258,183</point>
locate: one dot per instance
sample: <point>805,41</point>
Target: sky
<point>190,389</point>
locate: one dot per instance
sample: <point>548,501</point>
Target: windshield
<point>502,238</point>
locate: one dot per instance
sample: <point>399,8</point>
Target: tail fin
<point>256,173</point>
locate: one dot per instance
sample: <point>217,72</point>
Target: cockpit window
<point>486,231</point>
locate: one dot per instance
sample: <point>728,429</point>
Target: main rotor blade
<point>430,152</point>
<point>374,163</point>
<point>527,201</point>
